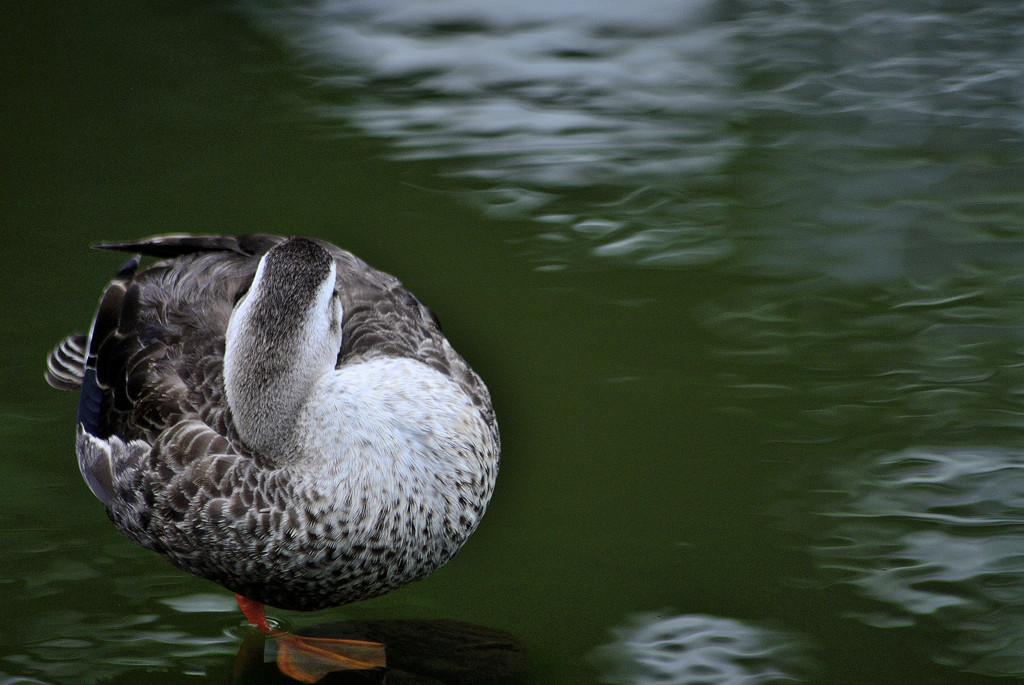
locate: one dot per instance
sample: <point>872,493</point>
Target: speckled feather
<point>167,461</point>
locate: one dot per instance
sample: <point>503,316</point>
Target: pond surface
<point>746,280</point>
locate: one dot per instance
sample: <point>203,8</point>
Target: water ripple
<point>855,116</point>
<point>874,363</point>
<point>935,538</point>
<point>100,643</point>
<point>694,649</point>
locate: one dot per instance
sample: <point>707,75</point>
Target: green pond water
<point>745,279</point>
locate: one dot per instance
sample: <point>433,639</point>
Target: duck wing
<point>155,439</point>
<point>382,318</point>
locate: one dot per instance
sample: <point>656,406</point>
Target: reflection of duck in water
<point>279,417</point>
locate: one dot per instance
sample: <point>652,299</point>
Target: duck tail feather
<point>65,366</point>
<point>177,244</point>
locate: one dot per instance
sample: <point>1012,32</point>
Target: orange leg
<point>254,613</point>
<point>308,659</point>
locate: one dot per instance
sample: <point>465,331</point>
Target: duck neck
<point>265,393</point>
<point>281,338</point>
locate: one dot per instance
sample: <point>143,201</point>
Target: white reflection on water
<point>17,680</point>
<point>646,117</point>
<point>576,113</point>
<point>936,539</point>
<point>205,603</point>
<point>573,92</point>
<point>698,650</point>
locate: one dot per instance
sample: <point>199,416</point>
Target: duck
<point>276,416</point>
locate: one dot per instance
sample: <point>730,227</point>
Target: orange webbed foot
<point>308,659</point>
